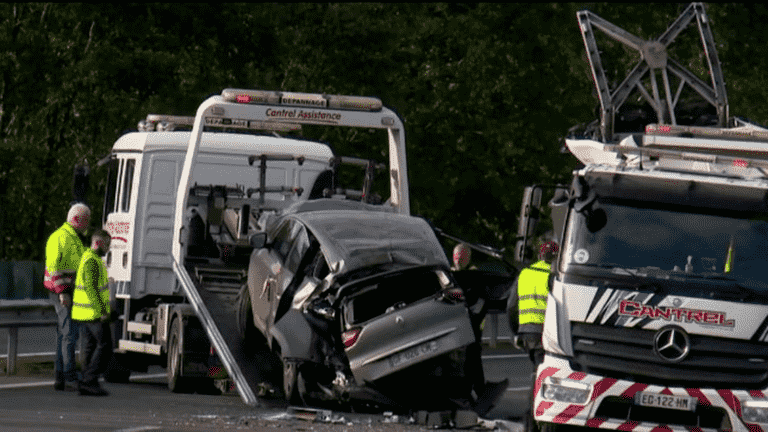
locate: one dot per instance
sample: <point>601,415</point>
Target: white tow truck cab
<point>657,318</point>
<point>181,204</point>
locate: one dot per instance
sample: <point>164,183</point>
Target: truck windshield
<point>633,238</point>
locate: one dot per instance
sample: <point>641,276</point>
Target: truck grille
<point>626,353</point>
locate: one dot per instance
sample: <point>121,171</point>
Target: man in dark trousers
<point>90,308</point>
<point>62,256</point>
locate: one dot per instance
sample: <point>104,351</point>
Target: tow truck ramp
<point>214,306</point>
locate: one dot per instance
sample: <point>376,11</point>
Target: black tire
<point>530,422</point>
<point>176,382</point>
<point>551,427</point>
<point>116,372</point>
<point>244,315</point>
<point>206,386</point>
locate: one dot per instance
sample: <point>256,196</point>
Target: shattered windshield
<point>637,238</point>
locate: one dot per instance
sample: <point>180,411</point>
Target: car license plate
<point>413,353</point>
<point>683,403</point>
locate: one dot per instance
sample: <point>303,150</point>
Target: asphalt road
<point>29,403</point>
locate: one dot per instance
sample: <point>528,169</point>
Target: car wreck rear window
<point>389,294</point>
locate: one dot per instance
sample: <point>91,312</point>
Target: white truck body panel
<point>140,253</point>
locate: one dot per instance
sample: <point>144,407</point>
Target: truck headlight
<point>754,411</point>
<point>565,390</point>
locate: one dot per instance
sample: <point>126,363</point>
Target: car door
<point>296,247</point>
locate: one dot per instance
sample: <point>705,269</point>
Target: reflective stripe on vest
<point>532,291</point>
<point>91,289</point>
<point>62,257</point>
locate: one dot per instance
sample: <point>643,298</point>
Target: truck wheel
<point>176,382</point>
<point>116,372</point>
<point>551,427</point>
<point>530,423</point>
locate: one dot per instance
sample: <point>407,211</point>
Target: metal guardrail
<point>23,303</point>
<point>23,313</point>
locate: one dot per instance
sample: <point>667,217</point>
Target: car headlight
<point>565,390</point>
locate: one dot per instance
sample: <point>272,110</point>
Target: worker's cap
<point>548,250</point>
<point>461,255</point>
<point>79,216</point>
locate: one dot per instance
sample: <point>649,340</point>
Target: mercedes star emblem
<point>672,344</point>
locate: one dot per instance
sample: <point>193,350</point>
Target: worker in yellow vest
<point>528,307</point>
<point>63,251</point>
<point>90,308</point>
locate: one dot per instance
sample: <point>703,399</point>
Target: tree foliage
<point>487,90</point>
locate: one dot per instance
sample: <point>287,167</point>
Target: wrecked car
<point>359,304</point>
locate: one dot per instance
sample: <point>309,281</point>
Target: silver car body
<point>366,250</point>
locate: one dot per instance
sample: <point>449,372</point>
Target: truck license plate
<point>413,353</point>
<point>683,403</point>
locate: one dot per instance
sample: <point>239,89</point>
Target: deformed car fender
<point>295,336</point>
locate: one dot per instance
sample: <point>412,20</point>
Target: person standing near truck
<point>90,308</point>
<point>63,251</point>
<point>528,307</point>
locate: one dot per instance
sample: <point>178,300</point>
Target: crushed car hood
<point>355,239</point>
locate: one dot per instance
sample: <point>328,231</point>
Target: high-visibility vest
<point>91,298</point>
<point>532,292</point>
<point>62,256</point>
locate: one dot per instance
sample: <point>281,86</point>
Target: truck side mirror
<point>529,218</point>
<point>258,240</point>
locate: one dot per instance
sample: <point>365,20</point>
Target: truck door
<point>120,209</point>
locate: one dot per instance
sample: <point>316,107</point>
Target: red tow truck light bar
<point>307,100</point>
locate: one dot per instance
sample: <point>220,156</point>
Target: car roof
<point>353,239</point>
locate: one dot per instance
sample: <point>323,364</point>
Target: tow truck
<point>657,318</point>
<point>181,206</point>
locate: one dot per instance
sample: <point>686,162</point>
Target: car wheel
<point>252,338</point>
<point>243,313</point>
<point>176,382</point>
<point>292,383</point>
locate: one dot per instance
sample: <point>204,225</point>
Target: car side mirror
<point>258,240</point>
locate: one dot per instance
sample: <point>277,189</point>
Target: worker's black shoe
<point>58,385</point>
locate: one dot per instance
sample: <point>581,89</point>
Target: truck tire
<point>555,427</point>
<point>176,382</point>
<point>116,372</point>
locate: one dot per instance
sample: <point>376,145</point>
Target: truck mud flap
<point>217,324</point>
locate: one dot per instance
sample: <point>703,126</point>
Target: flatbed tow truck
<point>180,206</point>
